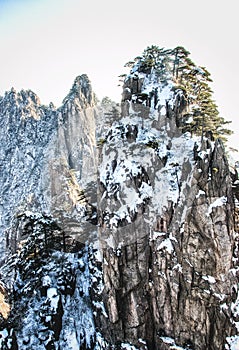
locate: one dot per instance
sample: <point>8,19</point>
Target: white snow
<point>189,120</point>
<point>163,110</point>
<point>131,158</point>
<point>171,342</point>
<point>224,306</point>
<point>46,280</point>
<point>142,341</point>
<point>3,336</point>
<point>233,343</point>
<point>54,297</point>
<point>99,305</point>
<point>221,297</point>
<point>217,203</point>
<point>157,234</point>
<point>235,305</point>
<point>178,267</point>
<point>165,93</point>
<point>203,154</point>
<point>210,279</point>
<point>70,337</point>
<point>145,190</point>
<point>168,178</point>
<point>167,340</point>
<point>126,346</point>
<point>167,244</point>
<point>123,170</point>
<point>200,193</point>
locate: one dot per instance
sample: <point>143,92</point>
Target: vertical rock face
<point>142,257</point>
<point>167,227</point>
<point>48,199</point>
<point>26,128</point>
<point>48,156</point>
<point>71,171</point>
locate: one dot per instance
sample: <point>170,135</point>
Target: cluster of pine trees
<point>176,66</point>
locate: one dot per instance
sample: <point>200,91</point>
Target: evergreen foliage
<point>175,65</point>
<point>42,234</point>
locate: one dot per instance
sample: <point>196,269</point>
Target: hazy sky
<point>45,44</point>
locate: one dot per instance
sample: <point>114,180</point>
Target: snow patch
<point>157,234</point>
<point>126,346</point>
<point>200,193</point>
<point>233,343</point>
<point>166,244</point>
<point>54,297</point>
<point>178,267</point>
<point>171,342</point>
<point>210,279</point>
<point>217,203</point>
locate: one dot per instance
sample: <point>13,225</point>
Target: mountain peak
<point>21,104</point>
<point>162,76</point>
<point>81,92</point>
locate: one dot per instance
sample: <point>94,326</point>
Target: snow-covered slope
<point>167,228</point>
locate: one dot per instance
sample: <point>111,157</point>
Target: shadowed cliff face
<point>117,229</point>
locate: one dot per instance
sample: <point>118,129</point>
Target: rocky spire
<point>167,227</point>
<point>81,92</point>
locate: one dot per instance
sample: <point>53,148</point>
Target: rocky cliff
<point>118,230</point>
<point>167,230</point>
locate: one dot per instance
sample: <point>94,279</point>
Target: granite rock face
<point>167,228</point>
<point>118,229</point>
<point>48,212</point>
<point>48,156</point>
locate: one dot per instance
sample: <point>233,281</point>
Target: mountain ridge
<point>118,227</point>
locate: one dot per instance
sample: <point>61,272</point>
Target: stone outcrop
<point>167,230</point>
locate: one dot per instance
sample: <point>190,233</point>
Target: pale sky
<point>45,44</point>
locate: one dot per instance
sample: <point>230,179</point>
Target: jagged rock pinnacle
<point>81,91</point>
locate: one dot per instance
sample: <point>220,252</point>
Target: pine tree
<point>181,61</point>
<point>175,65</point>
